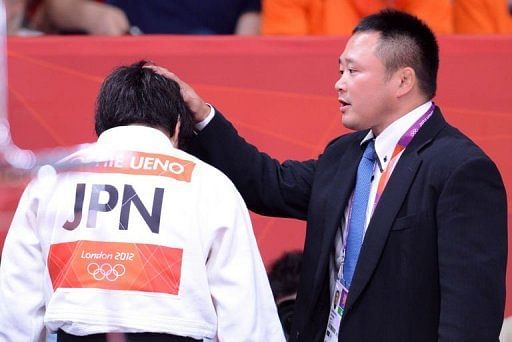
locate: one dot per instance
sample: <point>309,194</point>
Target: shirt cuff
<point>202,124</point>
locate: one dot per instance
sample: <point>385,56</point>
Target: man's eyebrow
<point>347,60</point>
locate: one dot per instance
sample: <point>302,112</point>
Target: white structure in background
<point>10,154</point>
<point>18,161</point>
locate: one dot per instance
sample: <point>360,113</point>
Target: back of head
<point>284,281</point>
<point>137,95</point>
<point>405,41</point>
<point>284,275</point>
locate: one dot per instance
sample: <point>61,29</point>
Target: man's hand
<point>194,102</point>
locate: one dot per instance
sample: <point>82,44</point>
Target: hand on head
<point>194,102</point>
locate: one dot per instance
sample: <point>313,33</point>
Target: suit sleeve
<point>22,277</point>
<point>238,283</point>
<point>472,254</point>
<point>268,187</point>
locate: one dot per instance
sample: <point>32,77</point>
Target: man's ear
<point>175,136</point>
<point>406,78</point>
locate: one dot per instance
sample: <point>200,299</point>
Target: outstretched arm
<point>268,186</point>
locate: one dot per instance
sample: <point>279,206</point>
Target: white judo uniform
<point>134,235</point>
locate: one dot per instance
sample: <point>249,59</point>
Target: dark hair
<point>284,274</point>
<point>284,281</point>
<point>405,41</point>
<point>137,95</point>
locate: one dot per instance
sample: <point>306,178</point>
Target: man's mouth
<point>343,104</point>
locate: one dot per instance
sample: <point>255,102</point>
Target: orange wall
<point>279,92</point>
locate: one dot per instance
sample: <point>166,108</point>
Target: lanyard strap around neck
<point>399,148</point>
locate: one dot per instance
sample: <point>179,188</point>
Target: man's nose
<point>340,84</point>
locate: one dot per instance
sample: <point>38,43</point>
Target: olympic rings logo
<point>106,271</point>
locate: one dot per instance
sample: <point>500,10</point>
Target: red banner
<point>278,91</point>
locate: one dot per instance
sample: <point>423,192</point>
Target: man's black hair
<point>284,281</point>
<point>137,95</point>
<point>405,41</point>
<point>284,274</point>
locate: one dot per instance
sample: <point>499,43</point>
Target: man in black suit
<point>432,263</point>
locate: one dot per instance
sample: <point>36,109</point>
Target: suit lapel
<point>380,223</point>
<point>389,205</point>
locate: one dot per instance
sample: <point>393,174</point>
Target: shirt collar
<point>386,141</point>
<point>135,138</point>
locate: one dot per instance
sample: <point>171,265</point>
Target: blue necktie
<point>357,216</point>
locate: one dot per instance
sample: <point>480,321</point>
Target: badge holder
<point>336,312</point>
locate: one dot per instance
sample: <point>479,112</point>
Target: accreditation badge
<point>336,312</point>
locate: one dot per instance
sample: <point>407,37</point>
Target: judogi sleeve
<point>22,272</point>
<point>238,282</point>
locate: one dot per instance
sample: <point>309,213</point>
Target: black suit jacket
<point>432,265</point>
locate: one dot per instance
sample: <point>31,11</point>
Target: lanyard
<point>399,148</point>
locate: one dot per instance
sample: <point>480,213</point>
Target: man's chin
<point>354,126</point>
<point>347,123</point>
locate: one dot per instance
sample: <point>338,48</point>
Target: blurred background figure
<point>82,16</point>
<point>338,17</point>
<point>118,17</point>
<point>15,12</point>
<point>334,17</point>
<point>17,17</point>
<point>284,282</point>
<point>481,16</point>
<point>243,17</point>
